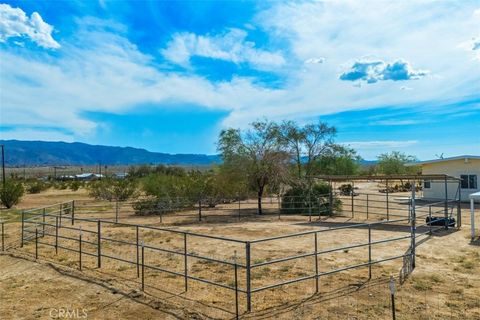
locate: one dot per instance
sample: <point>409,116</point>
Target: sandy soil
<point>445,283</point>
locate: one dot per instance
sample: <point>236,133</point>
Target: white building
<point>466,168</point>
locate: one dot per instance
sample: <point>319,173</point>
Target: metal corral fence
<point>355,205</point>
<point>59,227</point>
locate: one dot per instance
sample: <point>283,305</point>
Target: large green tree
<point>394,163</point>
<point>339,160</point>
<point>306,144</point>
<point>257,154</point>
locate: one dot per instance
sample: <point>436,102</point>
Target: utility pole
<point>3,165</point>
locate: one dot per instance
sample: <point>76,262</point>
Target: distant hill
<point>367,163</point>
<point>43,153</point>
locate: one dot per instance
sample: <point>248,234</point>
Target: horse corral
<point>237,262</point>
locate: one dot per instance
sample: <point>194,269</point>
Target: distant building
<point>120,175</point>
<point>88,176</point>
<point>466,168</point>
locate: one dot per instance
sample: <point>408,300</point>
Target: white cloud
<point>389,144</point>
<point>99,69</point>
<point>15,23</point>
<point>35,134</point>
<point>315,60</point>
<point>230,46</point>
<point>377,70</point>
<point>394,122</point>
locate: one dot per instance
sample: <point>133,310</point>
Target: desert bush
<point>75,185</point>
<point>36,187</point>
<point>300,198</point>
<point>346,189</point>
<point>163,205</point>
<point>11,194</point>
<point>110,189</point>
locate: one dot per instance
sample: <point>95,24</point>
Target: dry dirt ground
<point>444,285</point>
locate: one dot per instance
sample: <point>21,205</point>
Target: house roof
<point>442,160</point>
<point>385,177</point>
<point>475,196</point>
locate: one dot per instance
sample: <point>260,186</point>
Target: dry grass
<point>445,283</point>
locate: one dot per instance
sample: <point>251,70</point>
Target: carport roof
<point>475,196</point>
<point>386,177</point>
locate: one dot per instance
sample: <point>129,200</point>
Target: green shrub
<point>75,185</point>
<point>110,189</point>
<point>11,194</point>
<point>36,187</point>
<point>346,189</point>
<point>300,199</point>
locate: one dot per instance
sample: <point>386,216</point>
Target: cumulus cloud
<point>381,144</point>
<point>374,71</point>
<point>315,60</point>
<point>14,23</point>
<point>476,45</point>
<point>230,46</point>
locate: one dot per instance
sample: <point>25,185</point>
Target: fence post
<point>56,235</point>
<point>43,222</point>
<point>239,206</point>
<point>99,250</point>
<point>36,243</point>
<point>413,226</point>
<point>367,206</point>
<point>459,207</point>
<point>143,266</point>
<point>446,204</point>
<point>200,209</point>
<point>185,262</point>
<point>430,218</point>
<point>247,264</point>
<point>73,212</point>
<point>353,192</point>
<point>369,251</point>
<point>316,263</point>
<point>3,236</point>
<point>80,249</point>
<point>279,207</point>
<point>388,207</point>
<point>235,266</point>
<point>330,198</point>
<point>138,258</point>
<point>23,225</point>
<point>409,209</point>
<point>60,215</point>
<point>309,207</point>
<point>116,210</point>
<point>319,208</point>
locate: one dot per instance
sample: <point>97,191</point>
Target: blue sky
<point>168,76</point>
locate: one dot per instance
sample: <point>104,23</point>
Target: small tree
<point>301,198</point>
<point>257,154</point>
<point>338,161</point>
<point>110,189</point>
<point>306,144</point>
<point>11,194</point>
<point>394,163</point>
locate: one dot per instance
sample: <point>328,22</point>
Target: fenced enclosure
<point>241,267</point>
<point>247,267</point>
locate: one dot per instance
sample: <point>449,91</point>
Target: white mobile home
<point>466,168</point>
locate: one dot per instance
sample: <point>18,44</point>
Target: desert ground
<point>444,285</point>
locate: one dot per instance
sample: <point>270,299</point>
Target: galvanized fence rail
<point>61,224</point>
<point>354,205</point>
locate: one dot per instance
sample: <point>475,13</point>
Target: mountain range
<point>45,153</point>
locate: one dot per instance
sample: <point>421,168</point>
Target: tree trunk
<point>260,194</point>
